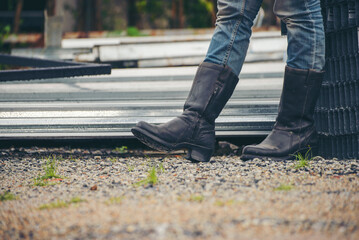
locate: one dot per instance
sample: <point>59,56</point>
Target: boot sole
<point>247,157</point>
<point>195,153</point>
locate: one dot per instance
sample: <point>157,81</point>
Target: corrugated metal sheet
<point>108,106</point>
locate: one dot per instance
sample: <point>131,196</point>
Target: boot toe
<point>147,126</point>
<point>258,151</point>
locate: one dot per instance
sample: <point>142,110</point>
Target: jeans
<point>305,32</point>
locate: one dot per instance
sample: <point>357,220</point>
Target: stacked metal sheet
<point>109,106</point>
<point>337,112</point>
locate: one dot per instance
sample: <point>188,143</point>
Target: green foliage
<point>161,168</point>
<point>50,169</point>
<point>284,187</point>
<point>61,204</point>
<point>122,149</point>
<point>198,13</point>
<point>208,5</point>
<point>113,159</point>
<point>303,161</point>
<point>196,198</point>
<point>4,33</point>
<point>7,196</point>
<point>11,5</point>
<point>151,178</point>
<point>154,8</point>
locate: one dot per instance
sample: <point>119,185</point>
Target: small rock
<point>93,188</point>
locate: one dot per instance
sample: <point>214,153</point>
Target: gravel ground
<point>105,194</point>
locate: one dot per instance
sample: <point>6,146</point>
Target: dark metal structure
<point>337,113</point>
<point>44,68</point>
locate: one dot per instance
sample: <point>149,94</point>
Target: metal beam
<point>47,68</point>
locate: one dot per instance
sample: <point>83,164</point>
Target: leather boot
<point>194,129</point>
<point>294,131</point>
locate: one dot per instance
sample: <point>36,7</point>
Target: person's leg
<point>306,39</point>
<point>294,130</point>
<point>230,40</point>
<point>213,85</point>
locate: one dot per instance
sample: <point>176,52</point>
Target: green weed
<point>161,168</point>
<point>122,149</point>
<point>151,178</point>
<point>61,204</point>
<point>113,159</point>
<point>50,169</point>
<point>303,161</point>
<point>133,32</point>
<point>196,198</point>
<point>7,196</point>
<point>284,187</point>
<point>72,158</point>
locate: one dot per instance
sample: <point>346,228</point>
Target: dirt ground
<point>115,194</point>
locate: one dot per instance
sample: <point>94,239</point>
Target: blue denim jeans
<point>305,32</point>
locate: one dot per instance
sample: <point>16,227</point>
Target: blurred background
<point>22,22</point>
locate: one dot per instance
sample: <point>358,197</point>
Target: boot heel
<point>199,154</point>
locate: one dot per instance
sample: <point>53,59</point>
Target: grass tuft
<point>196,198</point>
<point>61,204</point>
<point>303,161</point>
<point>113,159</point>
<point>151,178</point>
<point>284,187</point>
<point>50,169</point>
<point>7,196</point>
<point>122,149</point>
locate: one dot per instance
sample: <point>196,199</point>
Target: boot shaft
<point>300,93</point>
<point>212,87</point>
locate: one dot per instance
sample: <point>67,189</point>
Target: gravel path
<point>104,194</point>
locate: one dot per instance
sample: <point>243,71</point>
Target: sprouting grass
<point>303,161</point>
<point>61,204</point>
<point>72,158</point>
<point>196,198</point>
<point>161,168</point>
<point>113,159</point>
<point>284,187</point>
<point>50,168</point>
<point>50,172</point>
<point>151,178</point>
<point>7,196</point>
<point>122,149</point>
<point>114,200</point>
